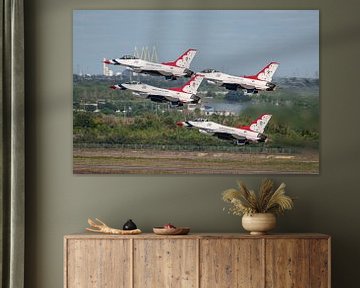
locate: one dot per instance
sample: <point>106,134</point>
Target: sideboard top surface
<point>86,235</point>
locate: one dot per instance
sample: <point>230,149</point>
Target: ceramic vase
<point>259,223</point>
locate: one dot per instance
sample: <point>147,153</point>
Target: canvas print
<point>196,92</point>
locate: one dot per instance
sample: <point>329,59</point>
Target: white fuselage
<point>143,66</point>
<point>169,95</point>
<point>243,82</point>
<point>212,128</point>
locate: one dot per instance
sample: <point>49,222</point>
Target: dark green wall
<point>58,203</point>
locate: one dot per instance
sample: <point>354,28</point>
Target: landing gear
<point>240,142</point>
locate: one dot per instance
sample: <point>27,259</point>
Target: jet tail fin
<point>266,73</point>
<point>192,85</point>
<point>184,60</point>
<point>259,124</point>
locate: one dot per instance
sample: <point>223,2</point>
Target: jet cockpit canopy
<point>201,120</point>
<point>133,82</point>
<point>127,57</point>
<point>209,71</point>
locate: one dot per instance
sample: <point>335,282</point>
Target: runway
<point>129,161</point>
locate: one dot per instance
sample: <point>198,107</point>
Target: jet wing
<point>163,98</point>
<point>129,66</point>
<point>221,135</point>
<point>172,99</point>
<point>142,94</point>
<point>153,72</point>
<point>228,136</point>
<point>231,86</point>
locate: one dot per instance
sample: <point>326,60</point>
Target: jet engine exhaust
<point>271,86</point>
<point>188,73</point>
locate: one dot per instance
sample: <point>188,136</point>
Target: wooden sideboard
<point>197,260</point>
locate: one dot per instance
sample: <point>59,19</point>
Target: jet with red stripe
<point>171,70</point>
<point>254,133</point>
<point>177,96</point>
<point>251,84</point>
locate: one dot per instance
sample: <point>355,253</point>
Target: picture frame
<point>132,130</point>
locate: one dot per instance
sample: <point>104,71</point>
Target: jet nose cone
<point>180,124</point>
<point>106,61</point>
<point>120,87</point>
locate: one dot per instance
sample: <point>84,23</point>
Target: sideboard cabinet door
<point>98,263</point>
<point>165,263</point>
<point>231,263</point>
<point>297,263</point>
<point>320,263</point>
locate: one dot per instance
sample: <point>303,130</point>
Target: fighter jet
<point>176,96</point>
<point>171,70</point>
<point>252,84</point>
<point>239,135</point>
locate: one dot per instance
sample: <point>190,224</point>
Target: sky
<point>239,42</point>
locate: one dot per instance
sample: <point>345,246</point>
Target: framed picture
<point>196,92</point>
